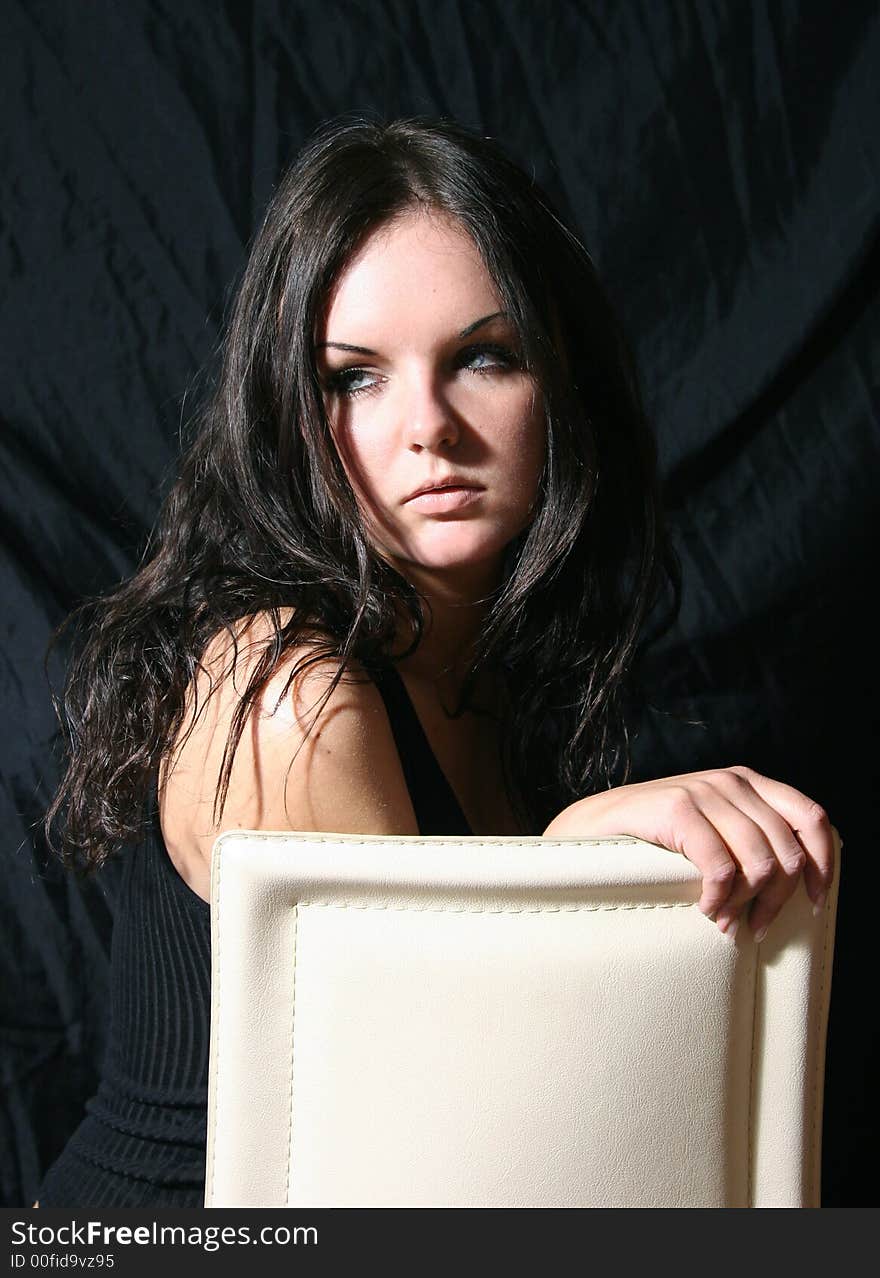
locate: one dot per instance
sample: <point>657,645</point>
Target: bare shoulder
<point>302,763</point>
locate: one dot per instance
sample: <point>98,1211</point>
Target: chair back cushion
<point>505,1022</point>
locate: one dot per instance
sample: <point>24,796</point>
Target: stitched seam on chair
<point>472,840</point>
<point>215,1015</point>
<point>814,1061</point>
<point>452,909</point>
<point>290,1086</point>
<point>750,1153</point>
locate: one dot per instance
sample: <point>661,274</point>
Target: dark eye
<point>496,357</point>
<point>348,383</point>
<point>345,382</point>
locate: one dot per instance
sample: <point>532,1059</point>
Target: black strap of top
<point>434,803</point>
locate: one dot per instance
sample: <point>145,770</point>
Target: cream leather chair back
<point>505,1022</point>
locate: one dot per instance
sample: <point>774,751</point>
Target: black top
<point>143,1140</point>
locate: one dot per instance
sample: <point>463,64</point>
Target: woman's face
<point>424,386</point>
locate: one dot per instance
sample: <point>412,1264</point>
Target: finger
<point>768,903</point>
<point>748,846</point>
<point>768,855</point>
<point>810,823</point>
<point>790,859</point>
<point>695,837</point>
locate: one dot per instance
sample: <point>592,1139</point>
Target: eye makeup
<point>342,382</point>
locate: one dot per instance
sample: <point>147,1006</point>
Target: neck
<point>454,616</point>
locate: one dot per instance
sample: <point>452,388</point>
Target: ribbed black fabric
<point>436,807</point>
<point>143,1140</point>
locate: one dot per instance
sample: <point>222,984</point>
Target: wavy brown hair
<point>262,520</point>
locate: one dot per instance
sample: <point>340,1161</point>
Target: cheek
<point>364,462</point>
<point>522,445</point>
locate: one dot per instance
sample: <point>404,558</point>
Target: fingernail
<point>760,934</point>
<point>730,930</point>
<point>819,903</point>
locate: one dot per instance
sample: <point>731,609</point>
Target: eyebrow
<point>365,350</point>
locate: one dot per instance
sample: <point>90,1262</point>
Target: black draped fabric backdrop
<point>722,162</point>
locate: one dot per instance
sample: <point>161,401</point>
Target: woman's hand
<point>751,837</point>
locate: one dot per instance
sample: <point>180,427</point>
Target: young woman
<point>398,588</point>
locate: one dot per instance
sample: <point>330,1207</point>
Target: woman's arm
<point>344,776</point>
<point>751,836</point>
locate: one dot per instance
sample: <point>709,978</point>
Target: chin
<point>453,554</point>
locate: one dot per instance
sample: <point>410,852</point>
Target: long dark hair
<point>262,519</point>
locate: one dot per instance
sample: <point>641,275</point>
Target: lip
<point>451,497</point>
<point>443,481</point>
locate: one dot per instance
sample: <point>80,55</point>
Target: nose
<point>429,422</point>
